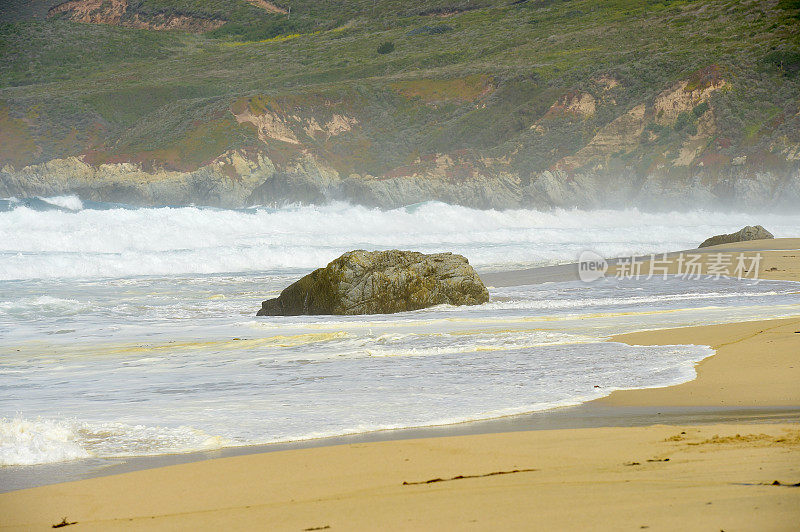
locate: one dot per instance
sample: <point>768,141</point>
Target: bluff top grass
<point>481,79</point>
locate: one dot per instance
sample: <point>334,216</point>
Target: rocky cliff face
<point>457,140</point>
<point>229,181</point>
<point>117,13</point>
<point>234,180</point>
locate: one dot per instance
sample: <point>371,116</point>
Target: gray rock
<point>787,196</point>
<point>659,194</point>
<point>750,232</point>
<point>753,192</point>
<point>480,192</point>
<point>381,282</point>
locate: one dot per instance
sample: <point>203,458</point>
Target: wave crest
<point>107,240</point>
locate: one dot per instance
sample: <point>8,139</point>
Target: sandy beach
<point>722,476</point>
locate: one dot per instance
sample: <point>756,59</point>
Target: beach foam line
<point>228,344</point>
<point>269,415</point>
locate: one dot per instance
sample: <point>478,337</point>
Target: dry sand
<point>709,477</point>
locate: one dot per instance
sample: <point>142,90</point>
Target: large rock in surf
<point>749,232</point>
<point>381,282</point>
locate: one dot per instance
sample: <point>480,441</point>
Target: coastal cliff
<point>494,105</point>
<point>257,182</point>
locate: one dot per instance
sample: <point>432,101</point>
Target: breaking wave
<point>42,441</point>
<point>64,237</point>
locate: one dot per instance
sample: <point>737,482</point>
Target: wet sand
<point>677,476</point>
<point>707,477</point>
<point>757,364</point>
<point>589,415</point>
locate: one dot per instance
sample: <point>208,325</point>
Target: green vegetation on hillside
<point>121,93</point>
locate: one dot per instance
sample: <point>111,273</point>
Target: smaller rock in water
<point>750,232</point>
<point>381,282</point>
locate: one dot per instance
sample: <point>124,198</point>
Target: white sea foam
<point>72,203</point>
<point>159,365</point>
<point>40,306</point>
<point>24,442</point>
<point>118,242</point>
<point>253,400</point>
<point>44,441</point>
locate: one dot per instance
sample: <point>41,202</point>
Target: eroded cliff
<point>555,117</point>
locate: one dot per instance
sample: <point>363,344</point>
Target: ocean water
<point>132,331</point>
<point>63,237</point>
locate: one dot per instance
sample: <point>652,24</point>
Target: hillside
<point>485,103</point>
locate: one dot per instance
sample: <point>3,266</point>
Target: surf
<point>66,237</point>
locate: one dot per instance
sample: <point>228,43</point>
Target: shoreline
<point>734,379</point>
<point>748,387</point>
<point>619,409</point>
<point>634,407</point>
<point>728,476</point>
<point>592,414</point>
